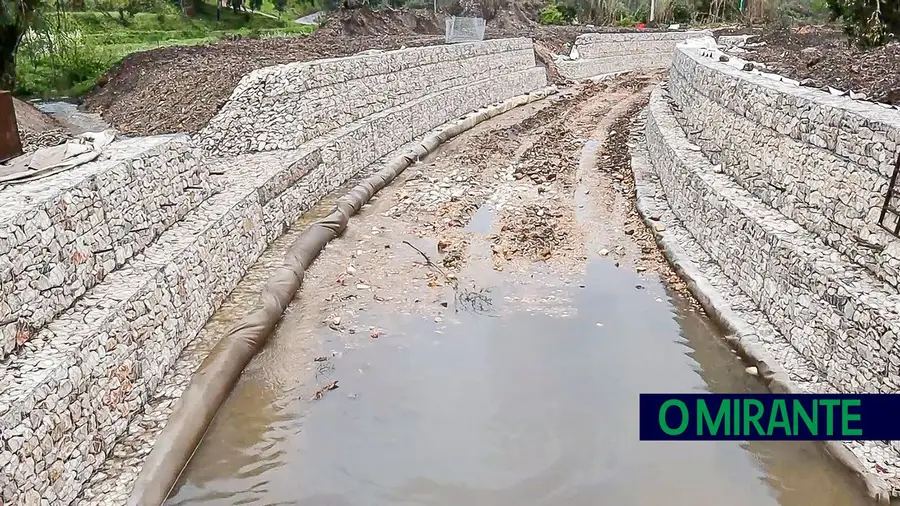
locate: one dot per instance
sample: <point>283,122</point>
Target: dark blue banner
<point>696,417</point>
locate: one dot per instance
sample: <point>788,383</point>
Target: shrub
<point>642,15</point>
<point>626,21</point>
<point>551,15</point>
<point>54,58</point>
<point>867,22</point>
<point>682,13</point>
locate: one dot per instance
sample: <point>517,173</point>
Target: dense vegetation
<point>868,22</point>
<point>633,12</point>
<point>61,47</point>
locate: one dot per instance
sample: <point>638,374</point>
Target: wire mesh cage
<point>461,29</point>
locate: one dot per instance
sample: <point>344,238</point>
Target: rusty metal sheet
<point>10,144</point>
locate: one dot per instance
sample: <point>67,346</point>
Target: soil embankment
<point>37,129</point>
<point>179,89</point>
<point>821,56</point>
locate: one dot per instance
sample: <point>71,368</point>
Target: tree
<point>16,17</point>
<point>867,22</point>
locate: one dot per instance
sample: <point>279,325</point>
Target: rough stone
<point>824,310</point>
<point>154,238</point>
<point>608,53</point>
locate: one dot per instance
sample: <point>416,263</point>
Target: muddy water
<point>516,387</point>
<point>520,409</point>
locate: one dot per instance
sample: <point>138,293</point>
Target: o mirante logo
<point>769,416</point>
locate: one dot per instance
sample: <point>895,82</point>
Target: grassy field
<point>67,59</point>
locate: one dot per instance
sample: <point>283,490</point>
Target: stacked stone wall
<point>838,317</point>
<point>196,225</point>
<point>822,161</point>
<point>284,106</point>
<point>607,53</point>
<point>62,235</point>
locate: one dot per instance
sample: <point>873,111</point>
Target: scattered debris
<point>327,388</point>
<point>820,57</point>
<point>535,232</point>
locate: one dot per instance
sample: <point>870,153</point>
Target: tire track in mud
<point>503,197</point>
<point>509,212</point>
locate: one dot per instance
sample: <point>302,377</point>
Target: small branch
<point>429,263</point>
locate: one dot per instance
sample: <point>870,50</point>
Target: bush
<point>867,22</point>
<point>59,62</point>
<point>569,12</point>
<point>551,15</point>
<point>642,15</point>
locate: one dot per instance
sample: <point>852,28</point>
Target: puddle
<point>483,220</point>
<point>527,408</point>
<point>68,114</point>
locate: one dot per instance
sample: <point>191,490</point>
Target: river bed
<point>480,336</point>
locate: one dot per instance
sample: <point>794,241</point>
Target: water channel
<point>522,409</point>
<point>533,401</point>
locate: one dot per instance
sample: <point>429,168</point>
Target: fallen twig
<point>429,263</point>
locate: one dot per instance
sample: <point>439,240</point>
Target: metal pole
<point>652,10</point>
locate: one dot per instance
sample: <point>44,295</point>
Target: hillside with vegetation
<point>63,48</point>
<point>161,66</point>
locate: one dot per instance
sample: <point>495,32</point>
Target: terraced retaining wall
<point>783,186</point>
<point>284,106</point>
<point>821,160</point>
<point>155,238</point>
<point>606,53</point>
<point>824,164</point>
<point>62,235</point>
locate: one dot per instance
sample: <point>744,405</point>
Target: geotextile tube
<point>215,378</point>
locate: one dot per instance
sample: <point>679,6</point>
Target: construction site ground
<point>822,57</point>
<point>479,335</point>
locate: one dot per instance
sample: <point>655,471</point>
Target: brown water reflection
<point>523,409</point>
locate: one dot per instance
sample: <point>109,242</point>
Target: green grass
<point>94,22</point>
<point>292,11</point>
<point>95,42</point>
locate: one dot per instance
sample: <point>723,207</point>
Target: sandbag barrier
<point>214,380</point>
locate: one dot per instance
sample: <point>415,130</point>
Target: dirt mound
<point>385,22</point>
<point>31,119</point>
<point>821,56</point>
<point>179,89</point>
<point>37,129</point>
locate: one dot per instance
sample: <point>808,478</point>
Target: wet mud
<point>480,335</point>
